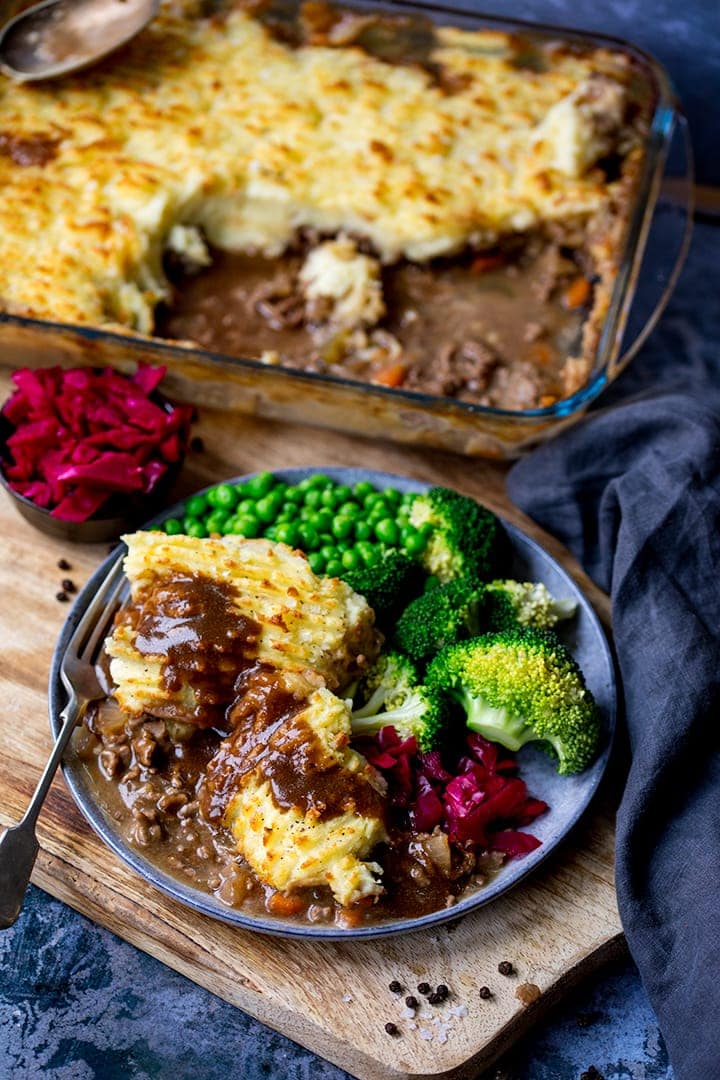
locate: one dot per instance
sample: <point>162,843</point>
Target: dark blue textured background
<point>78,1004</point>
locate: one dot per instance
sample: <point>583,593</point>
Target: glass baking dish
<point>656,240</point>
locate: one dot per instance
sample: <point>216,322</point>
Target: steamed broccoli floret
<point>386,684</point>
<point>388,584</point>
<point>466,539</point>
<point>529,603</point>
<point>519,686</point>
<point>395,697</point>
<point>440,617</point>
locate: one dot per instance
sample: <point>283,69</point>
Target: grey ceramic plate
<point>568,796</point>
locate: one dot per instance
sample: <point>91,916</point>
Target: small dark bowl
<point>120,514</point>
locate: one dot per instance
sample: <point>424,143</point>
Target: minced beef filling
<point>494,329</point>
<point>148,774</point>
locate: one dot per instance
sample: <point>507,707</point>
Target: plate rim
<point>204,903</point>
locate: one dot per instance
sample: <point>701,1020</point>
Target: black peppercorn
<point>197,445</point>
<point>392,1029</point>
<point>395,987</point>
<point>63,564</point>
<point>485,992</point>
<point>424,988</point>
<point>411,1001</point>
<point>442,991</point>
<point>435,999</point>
<point>68,585</point>
<point>506,968</point>
<point>62,597</point>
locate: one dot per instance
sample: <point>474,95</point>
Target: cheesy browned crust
<point>213,122</point>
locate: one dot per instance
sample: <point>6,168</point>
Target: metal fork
<point>18,844</point>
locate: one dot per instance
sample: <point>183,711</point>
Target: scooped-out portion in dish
<point>333,747</point>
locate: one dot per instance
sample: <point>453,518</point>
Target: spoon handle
<point>18,844</point>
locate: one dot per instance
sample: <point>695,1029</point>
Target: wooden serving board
<point>331,997</point>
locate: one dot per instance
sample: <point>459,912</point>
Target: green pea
<point>362,488</point>
<point>415,543</point>
<point>369,553</point>
<point>280,490</point>
<point>229,527</point>
<point>196,506</point>
<point>326,538</point>
<point>325,517</point>
<point>334,568</point>
<point>393,496</point>
<point>317,563</point>
<point>341,527</point>
<point>186,523</point>
<point>214,522</point>
<point>343,493</point>
<point>173,527</point>
<point>349,509</point>
<point>288,533</point>
<point>328,552</point>
<point>343,545</point>
<point>212,497</point>
<point>266,509</point>
<point>246,506</point>
<point>270,533</point>
<point>313,498</point>
<point>372,499</point>
<point>363,530</point>
<point>351,559</point>
<point>329,497</point>
<point>294,495</point>
<point>196,529</point>
<point>259,486</point>
<point>318,480</point>
<point>247,526</point>
<point>225,497</point>
<point>242,490</point>
<point>308,537</point>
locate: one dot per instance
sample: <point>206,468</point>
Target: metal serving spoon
<point>59,36</point>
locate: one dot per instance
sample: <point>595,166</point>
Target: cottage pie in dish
<point>347,192</point>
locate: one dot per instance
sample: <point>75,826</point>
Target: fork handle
<point>18,844</point>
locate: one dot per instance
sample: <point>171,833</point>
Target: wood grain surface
<point>331,997</point>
